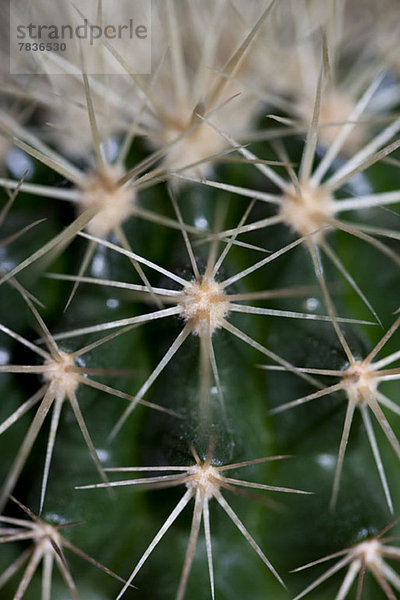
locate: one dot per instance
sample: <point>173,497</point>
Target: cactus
<point>199,334</point>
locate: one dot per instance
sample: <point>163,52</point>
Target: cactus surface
<point>199,291</point>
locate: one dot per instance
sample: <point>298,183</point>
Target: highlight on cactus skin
<point>161,236</point>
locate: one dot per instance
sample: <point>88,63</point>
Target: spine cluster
<point>199,275</point>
